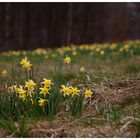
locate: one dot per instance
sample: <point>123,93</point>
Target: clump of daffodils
<point>69,90</point>
<point>29,89</point>
<point>25,63</point>
<point>23,91</point>
<point>39,51</point>
<point>67,60</point>
<point>40,94</point>
<point>46,86</point>
<point>75,98</point>
<point>44,90</point>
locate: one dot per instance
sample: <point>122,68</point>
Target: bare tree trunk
<point>20,28</point>
<point>7,28</point>
<point>27,27</point>
<point>69,23</point>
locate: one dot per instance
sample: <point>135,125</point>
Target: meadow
<point>88,90</point>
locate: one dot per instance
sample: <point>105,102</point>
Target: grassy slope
<point>116,101</point>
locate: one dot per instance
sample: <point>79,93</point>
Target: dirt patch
<point>127,129</point>
<point>2,133</point>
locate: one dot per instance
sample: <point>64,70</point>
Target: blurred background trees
<point>35,25</point>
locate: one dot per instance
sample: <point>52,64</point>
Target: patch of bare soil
<point>127,129</point>
<point>2,133</point>
<point>110,130</point>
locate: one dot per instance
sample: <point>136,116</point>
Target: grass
<point>132,69</point>
<point>17,129</point>
<point>112,76</point>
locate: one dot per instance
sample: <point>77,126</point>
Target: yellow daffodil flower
<point>4,72</point>
<point>102,52</point>
<point>44,90</point>
<point>30,84</point>
<point>67,60</point>
<point>22,96</point>
<point>74,91</point>
<point>88,93</point>
<point>82,69</point>
<point>42,102</point>
<point>25,63</point>
<point>20,90</point>
<point>47,83</point>
<point>65,90</point>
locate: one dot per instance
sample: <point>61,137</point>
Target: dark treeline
<point>33,25</point>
